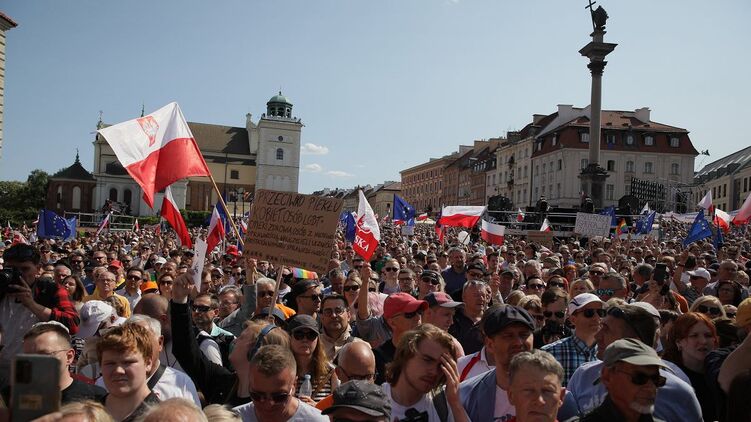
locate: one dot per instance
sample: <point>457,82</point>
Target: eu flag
<point>52,225</point>
<point>348,220</point>
<point>699,230</point>
<point>611,212</point>
<point>403,212</point>
<point>644,225</point>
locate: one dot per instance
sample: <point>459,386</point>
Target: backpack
<point>225,345</point>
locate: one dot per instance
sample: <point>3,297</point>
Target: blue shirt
<point>571,352</point>
<point>675,401</point>
<point>454,281</point>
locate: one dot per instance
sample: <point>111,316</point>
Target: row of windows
<point>421,176</point>
<point>648,166</point>
<point>628,139</point>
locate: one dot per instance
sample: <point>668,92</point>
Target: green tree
<point>20,201</point>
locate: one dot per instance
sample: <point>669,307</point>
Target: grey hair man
<point>535,388</point>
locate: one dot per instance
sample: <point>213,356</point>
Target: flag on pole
<point>744,214</point>
<point>171,213</point>
<point>136,227</point>
<point>52,225</point>
<point>520,216</point>
<point>545,225</point>
<point>216,230</point>
<point>644,225</point>
<point>722,219</point>
<point>19,238</point>
<point>492,233</point>
<point>105,223</point>
<point>461,216</point>
<point>645,209</point>
<point>611,212</point>
<point>422,217</point>
<point>622,227</point>
<point>404,213</point>
<point>699,229</point>
<point>367,233</point>
<point>706,202</point>
<point>156,150</point>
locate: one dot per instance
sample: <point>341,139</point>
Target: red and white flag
<point>545,225</point>
<point>722,220</point>
<point>492,233</point>
<point>706,202</point>
<point>171,213</point>
<point>520,216</point>
<point>422,217</point>
<point>136,227</point>
<point>461,216</point>
<point>216,231</point>
<point>105,223</point>
<point>744,214</point>
<point>19,238</point>
<point>156,150</point>
<point>367,233</point>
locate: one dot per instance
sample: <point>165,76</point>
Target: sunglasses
<point>265,294</point>
<point>333,311</point>
<point>596,272</point>
<point>476,274</point>
<point>77,261</point>
<point>357,267</point>
<point>134,277</point>
<point>730,314</point>
<point>314,298</point>
<point>200,308</point>
<point>236,274</point>
<point>708,310</point>
<point>276,398</point>
<point>640,378</point>
<point>351,288</point>
<point>604,292</point>
<point>405,279</point>
<point>305,334</point>
<point>589,313</point>
<point>555,284</point>
<point>558,314</point>
<point>410,315</point>
<point>535,286</point>
<point>372,289</point>
<point>431,281</point>
<point>390,269</point>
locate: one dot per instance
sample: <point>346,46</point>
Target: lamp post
<point>593,176</point>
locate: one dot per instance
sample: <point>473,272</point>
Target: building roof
<point>727,164</point>
<point>221,139</point>
<point>6,22</point>
<point>75,172</point>
<point>279,98</point>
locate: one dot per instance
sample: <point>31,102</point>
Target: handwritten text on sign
<point>592,224</point>
<point>293,229</point>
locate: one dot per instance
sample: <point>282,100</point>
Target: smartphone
<point>661,273</point>
<point>35,387</point>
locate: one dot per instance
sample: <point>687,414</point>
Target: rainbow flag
<point>305,274</point>
<point>621,228</point>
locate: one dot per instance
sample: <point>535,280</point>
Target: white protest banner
<point>199,259</point>
<point>293,229</point>
<point>592,224</point>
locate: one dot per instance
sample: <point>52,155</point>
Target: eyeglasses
<point>410,315</point>
<point>390,269</point>
<point>314,298</point>
<point>305,334</point>
<point>200,308</point>
<point>535,286</point>
<point>276,398</point>
<point>351,288</point>
<point>589,313</point>
<point>640,378</point>
<point>51,352</point>
<point>265,294</point>
<point>364,377</point>
<point>372,289</point>
<point>333,311</point>
<point>708,310</point>
<point>431,281</point>
<point>558,314</point>
<point>555,284</point>
<point>604,292</point>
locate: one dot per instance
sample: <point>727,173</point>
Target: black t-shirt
<point>79,391</point>
<point>150,400</point>
<point>384,354</point>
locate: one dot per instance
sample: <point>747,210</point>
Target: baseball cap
<point>302,321</point>
<point>149,287</point>
<point>92,314</point>
<point>499,317</point>
<point>633,351</point>
<point>507,272</point>
<point>232,250</point>
<point>477,266</point>
<point>581,301</point>
<point>362,396</point>
<point>700,272</point>
<point>402,303</point>
<point>115,263</point>
<point>160,260</point>
<point>441,299</point>
<point>430,275</point>
<point>743,314</point>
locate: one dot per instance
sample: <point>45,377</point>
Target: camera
<point>9,277</point>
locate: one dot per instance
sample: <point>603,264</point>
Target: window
<point>611,165</point>
<point>558,190</point>
<point>745,184</point>
<point>584,163</point>
<point>525,172</point>
<point>609,192</point>
<point>234,174</point>
<point>555,140</point>
<point>675,142</point>
<point>279,154</point>
<point>537,170</point>
<point>628,189</point>
<point>543,168</point>
<point>649,140</point>
<point>629,139</point>
<point>543,191</point>
<point>560,164</point>
<point>76,205</point>
<point>629,166</point>
<point>724,190</point>
<point>610,138</point>
<point>113,195</point>
<point>59,194</point>
<point>648,167</point>
<point>584,137</point>
<point>674,168</point>
<point>127,196</point>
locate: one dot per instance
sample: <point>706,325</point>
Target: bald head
<point>356,361</point>
<point>155,306</point>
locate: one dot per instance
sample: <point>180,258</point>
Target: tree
<point>21,201</point>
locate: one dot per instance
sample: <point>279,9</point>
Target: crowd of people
<point>602,329</point>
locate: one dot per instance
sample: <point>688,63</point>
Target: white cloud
<point>338,173</point>
<point>313,149</point>
<point>312,168</point>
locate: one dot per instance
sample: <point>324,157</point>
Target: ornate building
<point>6,24</point>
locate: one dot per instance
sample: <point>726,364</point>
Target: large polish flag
<point>367,232</point>
<point>492,233</point>
<point>722,219</point>
<point>706,201</point>
<point>156,150</point>
<point>545,225</point>
<point>171,213</point>
<point>461,215</point>
<point>216,231</point>
<point>744,214</point>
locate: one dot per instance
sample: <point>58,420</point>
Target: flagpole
<point>276,292</point>
<point>226,212</point>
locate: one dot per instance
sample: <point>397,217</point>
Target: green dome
<point>279,99</point>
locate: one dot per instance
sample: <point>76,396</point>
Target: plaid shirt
<point>571,353</point>
<point>54,296</point>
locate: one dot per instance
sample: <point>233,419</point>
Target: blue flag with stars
<point>52,225</point>
<point>611,212</point>
<point>403,212</point>
<point>699,230</point>
<point>644,225</point>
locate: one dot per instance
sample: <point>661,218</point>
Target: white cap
<point>581,301</point>
<point>93,313</point>
<point>700,272</point>
<point>160,260</point>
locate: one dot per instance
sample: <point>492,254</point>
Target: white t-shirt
<point>305,413</point>
<point>504,410</point>
<point>425,404</point>
<point>480,367</point>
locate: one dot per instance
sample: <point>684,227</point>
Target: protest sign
<point>592,224</point>
<point>541,238</point>
<point>199,249</point>
<point>293,229</point>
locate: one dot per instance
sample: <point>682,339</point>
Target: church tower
<point>277,135</point>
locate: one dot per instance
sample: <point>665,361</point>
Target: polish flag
<point>492,233</point>
<point>156,150</point>
<point>105,223</point>
<point>216,231</point>
<point>422,217</point>
<point>722,219</point>
<point>706,202</point>
<point>18,238</point>
<point>545,225</point>
<point>461,216</point>
<point>171,213</point>
<point>136,227</point>
<point>520,216</point>
<point>367,232</point>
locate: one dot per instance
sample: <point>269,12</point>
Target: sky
<point>380,85</point>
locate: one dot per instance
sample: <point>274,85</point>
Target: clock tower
<point>276,141</point>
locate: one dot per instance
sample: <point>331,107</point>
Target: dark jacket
<point>607,412</point>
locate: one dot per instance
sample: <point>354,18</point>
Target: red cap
<point>232,250</point>
<point>399,303</point>
<point>115,263</point>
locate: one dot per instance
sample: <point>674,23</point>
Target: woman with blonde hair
<point>515,297</point>
<point>579,286</point>
<point>709,306</point>
<point>533,305</point>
